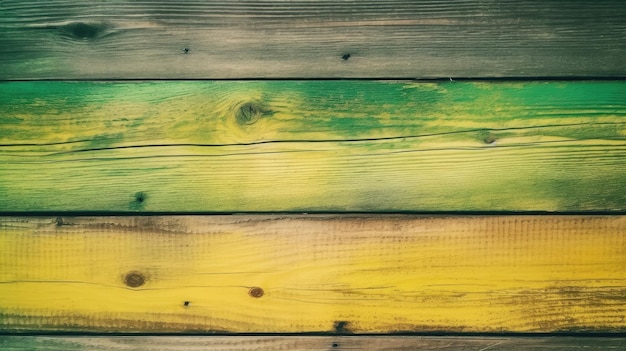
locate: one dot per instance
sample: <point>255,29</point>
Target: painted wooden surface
<point>311,39</point>
<point>315,273</point>
<point>312,146</point>
<point>293,343</point>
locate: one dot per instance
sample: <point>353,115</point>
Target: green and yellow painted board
<point>335,274</point>
<point>226,146</point>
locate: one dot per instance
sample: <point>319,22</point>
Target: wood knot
<point>139,201</point>
<point>256,292</point>
<point>134,279</point>
<point>490,139</point>
<point>80,30</point>
<point>249,113</point>
<point>487,137</point>
<point>140,197</point>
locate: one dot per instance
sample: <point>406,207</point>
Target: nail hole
<point>345,57</point>
<point>186,303</point>
<point>335,345</point>
<point>256,292</point>
<point>185,50</point>
<point>134,279</point>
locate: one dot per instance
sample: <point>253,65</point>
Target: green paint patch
<point>10,120</point>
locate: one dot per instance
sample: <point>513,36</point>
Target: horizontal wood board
<point>316,273</point>
<point>311,39</point>
<point>211,146</point>
<point>293,343</point>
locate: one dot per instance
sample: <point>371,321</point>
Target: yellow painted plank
<point>339,274</point>
<point>311,39</point>
<point>293,343</point>
<point>224,146</point>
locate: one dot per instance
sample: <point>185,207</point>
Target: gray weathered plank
<point>311,38</point>
<point>387,343</point>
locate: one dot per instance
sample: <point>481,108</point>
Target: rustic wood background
<point>312,175</point>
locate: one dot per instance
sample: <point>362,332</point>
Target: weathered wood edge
<point>374,343</point>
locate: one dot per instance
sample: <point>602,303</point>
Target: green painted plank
<point>311,39</point>
<point>312,146</point>
<point>374,343</point>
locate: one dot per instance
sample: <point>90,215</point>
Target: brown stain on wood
<point>342,327</point>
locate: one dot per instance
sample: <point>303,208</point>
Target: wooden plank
<point>243,343</point>
<point>335,274</point>
<point>205,146</point>
<point>311,39</point>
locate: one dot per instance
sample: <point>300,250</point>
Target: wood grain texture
<point>294,343</point>
<point>311,39</point>
<point>334,274</point>
<point>312,146</point>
